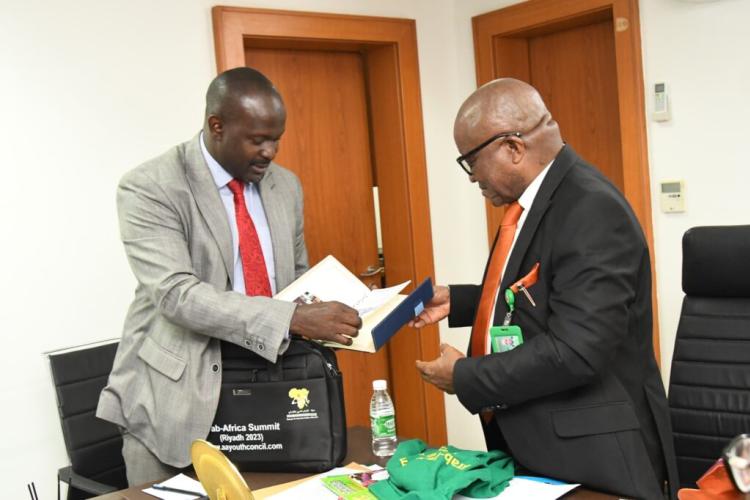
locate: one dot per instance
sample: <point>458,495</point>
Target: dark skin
<point>244,137</point>
<point>439,372</point>
<point>326,321</point>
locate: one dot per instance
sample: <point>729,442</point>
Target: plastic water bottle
<point>382,420</point>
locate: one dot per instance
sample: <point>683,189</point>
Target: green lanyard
<point>510,299</point>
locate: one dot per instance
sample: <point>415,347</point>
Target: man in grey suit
<point>202,289</point>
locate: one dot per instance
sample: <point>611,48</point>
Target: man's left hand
<point>439,372</point>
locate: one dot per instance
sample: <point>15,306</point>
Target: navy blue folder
<point>410,307</point>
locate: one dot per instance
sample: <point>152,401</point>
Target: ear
<point>517,148</point>
<point>215,126</point>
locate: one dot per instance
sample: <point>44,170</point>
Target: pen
<point>177,490</point>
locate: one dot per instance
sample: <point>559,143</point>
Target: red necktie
<point>253,264</point>
<point>485,310</point>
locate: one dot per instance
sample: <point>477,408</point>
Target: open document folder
<point>383,311</point>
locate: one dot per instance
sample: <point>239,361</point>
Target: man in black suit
<point>581,398</point>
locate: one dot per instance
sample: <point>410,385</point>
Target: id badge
<point>505,338</point>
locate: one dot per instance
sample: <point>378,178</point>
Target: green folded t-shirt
<point>418,472</point>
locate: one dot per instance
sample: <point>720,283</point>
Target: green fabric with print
<point>418,472</point>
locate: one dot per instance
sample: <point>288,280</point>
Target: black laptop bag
<point>286,416</point>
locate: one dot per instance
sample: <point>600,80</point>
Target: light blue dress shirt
<point>255,207</point>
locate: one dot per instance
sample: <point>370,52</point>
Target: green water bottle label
<point>383,427</point>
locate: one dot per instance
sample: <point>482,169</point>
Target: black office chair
<point>94,446</point>
<point>709,388</point>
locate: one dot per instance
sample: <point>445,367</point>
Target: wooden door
<point>574,70</point>
<point>327,144</point>
<point>324,64</point>
<point>584,58</point>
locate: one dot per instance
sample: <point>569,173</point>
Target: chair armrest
<point>67,475</point>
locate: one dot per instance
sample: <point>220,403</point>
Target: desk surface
<point>359,451</point>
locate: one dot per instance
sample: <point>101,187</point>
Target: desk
<point>359,451</point>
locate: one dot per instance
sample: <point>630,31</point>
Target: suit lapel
<point>542,202</point>
<point>274,207</point>
<point>209,202</point>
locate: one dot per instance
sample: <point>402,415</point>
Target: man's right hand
<point>332,321</point>
<point>436,309</point>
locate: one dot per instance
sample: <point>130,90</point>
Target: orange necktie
<point>485,310</point>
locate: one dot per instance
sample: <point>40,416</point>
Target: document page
<point>377,297</point>
<point>326,281</point>
<point>180,482</point>
<point>524,488</point>
<point>329,280</point>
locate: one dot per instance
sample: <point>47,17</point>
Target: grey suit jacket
<point>164,386</point>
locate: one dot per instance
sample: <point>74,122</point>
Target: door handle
<point>372,271</point>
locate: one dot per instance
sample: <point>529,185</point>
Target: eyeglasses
<point>737,461</point>
<point>465,161</point>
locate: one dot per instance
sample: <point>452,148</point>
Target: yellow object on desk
<point>219,477</point>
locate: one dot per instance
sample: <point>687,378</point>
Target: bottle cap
<point>379,385</point>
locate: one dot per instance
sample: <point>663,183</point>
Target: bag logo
<point>301,401</point>
<point>299,397</point>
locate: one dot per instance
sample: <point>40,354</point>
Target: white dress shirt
<point>526,200</point>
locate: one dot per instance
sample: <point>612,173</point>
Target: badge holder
<point>506,337</point>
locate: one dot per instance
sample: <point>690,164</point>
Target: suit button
<point>248,343</point>
<point>214,368</point>
<point>261,347</point>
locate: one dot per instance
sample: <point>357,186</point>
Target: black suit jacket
<point>581,399</point>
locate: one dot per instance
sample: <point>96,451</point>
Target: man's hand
<point>439,372</point>
<point>332,321</point>
<point>436,309</point>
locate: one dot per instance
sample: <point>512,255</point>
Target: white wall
<point>700,51</point>
<point>90,88</point>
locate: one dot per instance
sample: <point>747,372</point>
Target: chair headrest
<point>716,261</point>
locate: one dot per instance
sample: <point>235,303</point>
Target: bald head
<point>506,137</point>
<point>508,105</point>
<point>245,119</point>
<point>238,88</point>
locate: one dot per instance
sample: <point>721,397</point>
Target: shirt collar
<point>527,198</point>
<point>221,176</point>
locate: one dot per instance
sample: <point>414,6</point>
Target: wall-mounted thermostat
<point>672,196</point>
<point>661,103</point>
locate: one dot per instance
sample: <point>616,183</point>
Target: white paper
<point>330,280</point>
<point>525,489</point>
<point>182,482</point>
<point>327,280</point>
<point>313,487</point>
<point>377,297</point>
